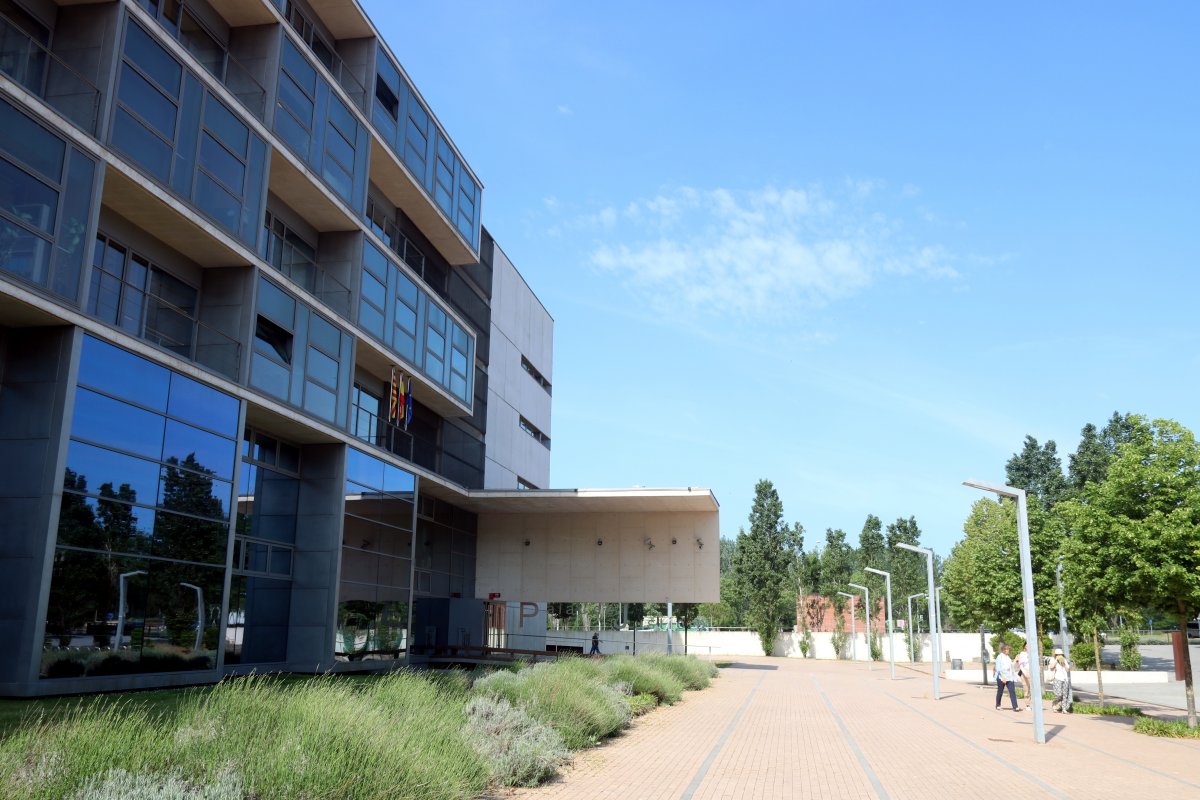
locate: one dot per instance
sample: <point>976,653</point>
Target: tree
<point>837,566</point>
<point>872,552</point>
<point>983,573</point>
<point>764,563</point>
<point>1089,462</point>
<point>907,567</point>
<point>1135,534</point>
<point>1038,470</point>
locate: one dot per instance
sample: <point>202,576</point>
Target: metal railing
<point>173,329</point>
<point>396,241</point>
<point>305,272</point>
<point>41,72</point>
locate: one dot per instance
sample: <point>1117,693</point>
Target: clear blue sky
<point>860,249</point>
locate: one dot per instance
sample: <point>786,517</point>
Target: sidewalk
<point>789,728</point>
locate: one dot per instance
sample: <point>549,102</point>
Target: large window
<point>144,525</point>
<point>45,205</point>
<point>409,129</point>
<point>319,128</point>
<point>180,133</point>
<point>139,297</point>
<point>261,589</point>
<point>377,542</point>
<point>398,312</point>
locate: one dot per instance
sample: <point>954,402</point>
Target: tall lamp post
<point>1035,677</point>
<point>937,613</point>
<point>937,642</point>
<point>887,577</point>
<point>867,615</point>
<point>121,579</point>
<point>1062,612</point>
<point>853,626</point>
<point>912,656</point>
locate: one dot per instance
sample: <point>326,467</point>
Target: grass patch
<point>688,670</point>
<point>1175,728</point>
<point>1106,710</point>
<point>644,677</point>
<point>642,703</point>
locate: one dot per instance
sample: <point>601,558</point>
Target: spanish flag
<point>394,404</point>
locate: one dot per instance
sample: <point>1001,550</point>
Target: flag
<point>394,398</point>
<point>408,405</point>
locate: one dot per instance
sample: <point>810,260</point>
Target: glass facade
<point>444,556</point>
<point>260,595</point>
<point>377,546</point>
<point>299,356</point>
<point>319,128</point>
<point>144,524</point>
<point>397,311</point>
<point>168,124</point>
<point>45,205</point>
<point>409,129</point>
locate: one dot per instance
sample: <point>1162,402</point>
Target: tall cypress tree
<point>765,563</point>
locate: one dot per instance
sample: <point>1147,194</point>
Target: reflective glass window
<point>223,164</point>
<point>27,142</point>
<point>94,467</point>
<point>276,304</point>
<point>363,469</point>
<point>26,255</point>
<point>136,141</point>
<point>270,377</point>
<point>217,202</point>
<point>105,524</point>
<point>324,334</point>
<point>208,451</point>
<point>122,374</point>
<point>191,492</point>
<point>189,539</point>
<point>193,401</point>
<point>148,102</point>
<point>322,368</point>
<point>26,198</point>
<point>373,290</point>
<point>154,60</point>
<point>106,421</point>
<point>319,401</point>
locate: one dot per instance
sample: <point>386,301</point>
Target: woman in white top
<point>1022,661</point>
<point>1061,675</point>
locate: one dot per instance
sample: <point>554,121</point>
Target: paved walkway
<point>787,728</point>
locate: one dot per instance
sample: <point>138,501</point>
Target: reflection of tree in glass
<point>188,489</point>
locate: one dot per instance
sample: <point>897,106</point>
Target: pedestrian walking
<point>595,651</point>
<point>1022,661</point>
<point>1004,677</point>
<point>1060,675</point>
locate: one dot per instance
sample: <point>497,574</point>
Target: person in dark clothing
<point>595,651</point>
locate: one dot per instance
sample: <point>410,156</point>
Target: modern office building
<point>270,395</point>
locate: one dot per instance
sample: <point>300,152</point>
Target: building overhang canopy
<point>580,501</point>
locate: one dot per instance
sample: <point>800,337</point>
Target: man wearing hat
<point>1061,677</point>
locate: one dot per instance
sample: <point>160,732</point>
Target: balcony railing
<point>173,329</point>
<point>420,451</point>
<point>305,273</point>
<point>399,244</point>
<point>27,62</point>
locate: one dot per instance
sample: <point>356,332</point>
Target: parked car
<point>1193,629</point>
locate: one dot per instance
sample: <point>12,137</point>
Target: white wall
<point>521,326</point>
<point>563,561</point>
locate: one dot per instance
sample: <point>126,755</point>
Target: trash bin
<point>956,663</point>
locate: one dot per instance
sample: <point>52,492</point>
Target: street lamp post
<point>853,626</point>
<point>887,577</point>
<point>912,656</point>
<point>199,612</point>
<point>937,613</point>
<point>1035,660</point>
<point>1062,612</point>
<point>121,579</point>
<point>867,615</point>
<point>937,642</point>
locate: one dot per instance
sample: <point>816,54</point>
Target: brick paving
<point>789,728</point>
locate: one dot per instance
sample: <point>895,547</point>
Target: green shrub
<point>518,750</point>
<point>644,677</point>
<point>688,670</point>
<point>117,784</point>
<point>642,703</point>
<point>1106,710</point>
<point>1083,655</point>
<point>1176,728</point>
<point>1131,657</point>
<point>571,695</point>
<point>876,646</point>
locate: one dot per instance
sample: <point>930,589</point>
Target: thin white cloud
<point>565,110</point>
<point>747,253</point>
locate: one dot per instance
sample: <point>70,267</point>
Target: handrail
<point>205,345</point>
<point>304,272</point>
<point>46,75</point>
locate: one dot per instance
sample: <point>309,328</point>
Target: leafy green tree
<point>1038,470</point>
<point>1089,462</point>
<point>764,564</point>
<point>1134,540</point>
<point>907,567</point>
<point>837,566</point>
<point>872,552</point>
